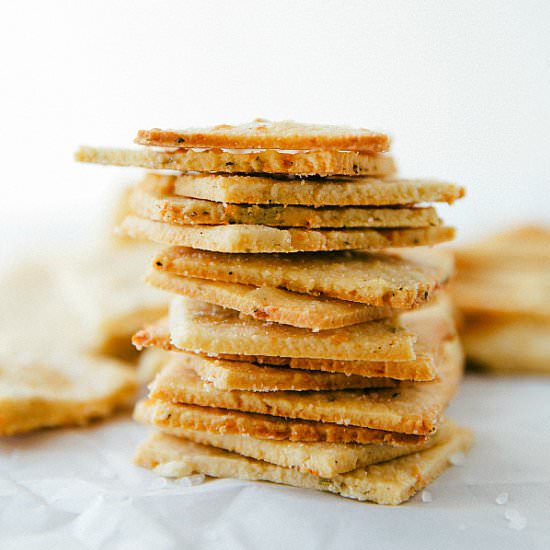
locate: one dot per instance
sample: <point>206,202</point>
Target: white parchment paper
<point>78,488</point>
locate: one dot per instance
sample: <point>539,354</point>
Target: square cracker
<point>103,287</point>
<point>317,192</point>
<point>266,134</point>
<point>523,244</point>
<point>241,375</point>
<point>197,326</point>
<point>61,391</point>
<point>260,238</point>
<point>391,482</point>
<point>414,408</point>
<point>177,417</point>
<point>423,368</point>
<point>150,200</point>
<point>317,458</point>
<point>305,163</point>
<point>399,281</point>
<point>506,274</point>
<point>516,290</point>
<point>492,343</point>
<point>270,304</point>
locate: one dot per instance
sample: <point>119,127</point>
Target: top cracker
<point>264,134</point>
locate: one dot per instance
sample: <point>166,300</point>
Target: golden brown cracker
<point>178,417</point>
<point>376,279</point>
<point>157,206</point>
<point>266,134</point>
<point>197,326</point>
<point>414,408</point>
<point>270,304</point>
<point>243,238</point>
<point>270,161</point>
<point>391,482</point>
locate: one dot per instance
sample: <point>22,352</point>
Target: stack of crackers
<point>297,349</point>
<point>503,290</point>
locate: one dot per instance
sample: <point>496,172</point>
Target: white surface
<point>464,88</point>
<point>78,489</point>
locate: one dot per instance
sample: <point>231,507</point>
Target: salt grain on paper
<point>190,481</point>
<point>502,498</point>
<point>516,520</point>
<point>426,496</point>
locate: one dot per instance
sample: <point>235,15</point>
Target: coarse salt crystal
<point>502,498</point>
<point>457,459</point>
<point>426,496</point>
<point>516,520</point>
<point>190,481</point>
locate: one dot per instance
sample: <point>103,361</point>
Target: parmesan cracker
<point>317,192</point>
<point>260,238</point>
<point>423,368</point>
<point>64,390</point>
<point>391,482</point>
<point>376,279</point>
<point>197,326</point>
<point>158,206</point>
<point>241,375</point>
<point>270,304</point>
<point>493,343</point>
<point>266,134</point>
<point>309,163</point>
<point>414,408</point>
<point>317,458</point>
<point>178,417</point>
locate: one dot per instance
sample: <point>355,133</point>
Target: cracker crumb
<point>190,481</point>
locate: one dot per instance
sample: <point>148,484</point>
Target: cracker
<point>317,458</point>
<point>414,408</point>
<point>366,191</point>
<point>528,243</point>
<point>178,417</point>
<point>518,345</point>
<point>506,274</point>
<point>505,290</point>
<point>149,363</point>
<point>241,375</point>
<point>260,238</point>
<point>374,279</point>
<point>157,206</point>
<point>270,304</point>
<point>104,288</point>
<point>197,326</point>
<point>391,482</point>
<point>61,391</point>
<point>423,368</point>
<point>310,163</point>
<point>266,134</point>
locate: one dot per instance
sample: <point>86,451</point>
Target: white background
<point>464,89</point>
